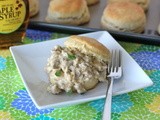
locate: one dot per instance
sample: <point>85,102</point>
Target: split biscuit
<point>89,46</point>
<point>78,66</point>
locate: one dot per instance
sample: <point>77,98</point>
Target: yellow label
<point>12,15</point>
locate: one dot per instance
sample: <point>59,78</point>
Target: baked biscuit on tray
<point>70,12</point>
<point>123,16</point>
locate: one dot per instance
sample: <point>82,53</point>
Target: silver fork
<point>115,72</point>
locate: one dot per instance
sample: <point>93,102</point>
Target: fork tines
<point>114,65</point>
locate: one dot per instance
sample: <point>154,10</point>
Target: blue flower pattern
<point>2,63</point>
<point>147,60</point>
<point>97,104</point>
<point>24,103</point>
<point>36,36</point>
<point>42,117</point>
<point>121,103</point>
<point>156,83</point>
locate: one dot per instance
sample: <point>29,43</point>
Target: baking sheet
<point>153,17</point>
<point>95,12</point>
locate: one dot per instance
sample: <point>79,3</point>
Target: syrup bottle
<point>14,17</point>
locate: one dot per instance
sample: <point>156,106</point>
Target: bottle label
<point>12,15</point>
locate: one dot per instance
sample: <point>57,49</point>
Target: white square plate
<point>32,58</point>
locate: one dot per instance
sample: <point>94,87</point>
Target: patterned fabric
<point>143,104</point>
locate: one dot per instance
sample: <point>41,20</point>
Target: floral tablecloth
<point>143,104</point>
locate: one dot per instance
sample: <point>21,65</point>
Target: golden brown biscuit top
<point>143,3</point>
<point>88,46</point>
<point>124,11</point>
<point>136,1</point>
<point>67,6</point>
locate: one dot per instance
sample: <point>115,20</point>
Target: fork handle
<point>108,102</point>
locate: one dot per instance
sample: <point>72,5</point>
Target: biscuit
<point>92,2</point>
<point>70,12</point>
<point>78,66</point>
<point>143,3</point>
<point>88,46</point>
<point>123,16</point>
<point>33,7</point>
